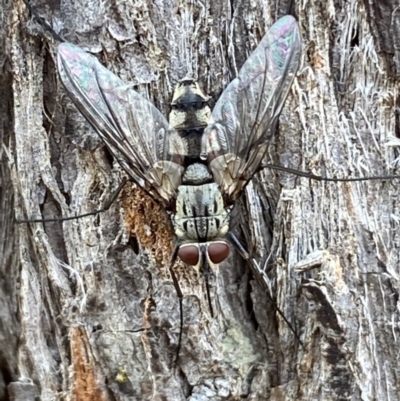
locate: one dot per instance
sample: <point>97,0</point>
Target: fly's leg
<point>103,209</point>
<point>180,298</point>
<point>259,274</point>
<point>319,178</point>
<point>209,296</point>
<point>42,21</point>
<point>205,271</point>
<point>179,293</point>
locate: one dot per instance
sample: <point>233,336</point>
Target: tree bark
<point>88,309</point>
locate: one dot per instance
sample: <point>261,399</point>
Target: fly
<point>198,163</point>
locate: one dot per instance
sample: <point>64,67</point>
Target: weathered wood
<point>10,328</point>
<point>86,314</point>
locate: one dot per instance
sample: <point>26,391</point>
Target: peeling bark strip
<point>87,382</point>
<point>79,306</point>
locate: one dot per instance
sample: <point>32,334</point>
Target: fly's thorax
<point>200,213</point>
<point>197,174</point>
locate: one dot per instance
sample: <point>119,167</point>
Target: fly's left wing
<point>246,114</point>
<point>138,135</point>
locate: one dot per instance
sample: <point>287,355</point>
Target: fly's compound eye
<point>189,254</point>
<point>218,252</point>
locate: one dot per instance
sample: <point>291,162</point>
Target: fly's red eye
<point>218,252</point>
<point>189,254</point>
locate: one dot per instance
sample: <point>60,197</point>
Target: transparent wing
<point>138,135</point>
<point>246,114</point>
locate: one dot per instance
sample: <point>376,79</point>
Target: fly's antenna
<point>43,22</point>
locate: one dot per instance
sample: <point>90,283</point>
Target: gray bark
<point>88,310</point>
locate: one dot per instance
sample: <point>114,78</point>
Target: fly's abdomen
<point>190,118</point>
<point>190,114</point>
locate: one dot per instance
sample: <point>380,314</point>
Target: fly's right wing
<point>137,134</point>
<point>245,116</point>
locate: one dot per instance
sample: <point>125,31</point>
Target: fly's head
<point>210,253</point>
<point>201,223</point>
